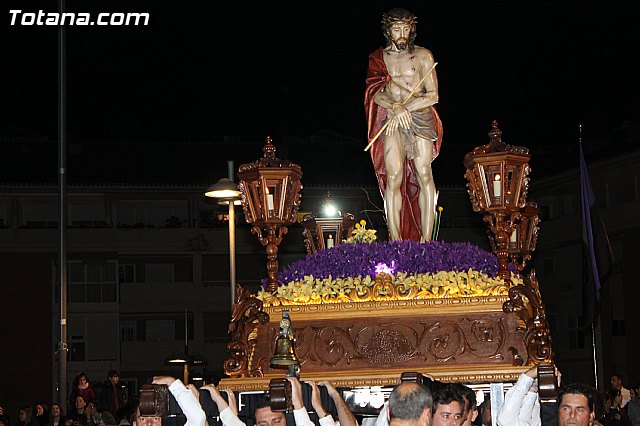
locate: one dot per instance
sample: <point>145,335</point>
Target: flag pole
<point>593,327</point>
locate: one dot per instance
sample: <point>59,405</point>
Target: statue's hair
<point>399,16</point>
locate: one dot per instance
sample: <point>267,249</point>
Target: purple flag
<point>599,256</point>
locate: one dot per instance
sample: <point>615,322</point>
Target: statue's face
<point>400,35</point>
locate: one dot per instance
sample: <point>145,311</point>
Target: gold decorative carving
<point>438,306</point>
<point>385,377</point>
<point>526,302</point>
<point>247,314</point>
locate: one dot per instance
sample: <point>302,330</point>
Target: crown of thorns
<point>389,20</point>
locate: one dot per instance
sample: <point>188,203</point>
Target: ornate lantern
<point>270,199</point>
<point>498,183</point>
<point>524,238</point>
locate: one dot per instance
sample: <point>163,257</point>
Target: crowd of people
<point>411,403</point>
<point>103,404</point>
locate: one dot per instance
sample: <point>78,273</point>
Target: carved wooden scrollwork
<point>526,302</point>
<point>247,314</point>
<point>361,344</point>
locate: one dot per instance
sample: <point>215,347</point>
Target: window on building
<point>576,335</point>
<point>152,213</point>
<point>159,273</point>
<point>87,212</point>
<point>127,272</point>
<point>4,212</point>
<point>76,349</point>
<point>215,269</point>
<point>161,330</point>
<point>155,327</point>
<point>92,282</point>
<point>40,213</point>
<point>128,330</point>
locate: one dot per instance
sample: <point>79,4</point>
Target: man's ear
<point>425,417</point>
<point>475,414</point>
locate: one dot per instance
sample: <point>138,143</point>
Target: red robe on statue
<point>377,79</point>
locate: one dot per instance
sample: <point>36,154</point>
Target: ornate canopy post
<point>498,182</point>
<point>270,199</point>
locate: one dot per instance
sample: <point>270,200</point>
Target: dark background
<point>204,69</point>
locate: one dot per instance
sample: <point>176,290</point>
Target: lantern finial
<point>269,149</point>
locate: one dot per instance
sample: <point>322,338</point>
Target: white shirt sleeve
<point>229,418</point>
<point>188,403</point>
<point>517,409</point>
<point>302,417</point>
<point>327,421</point>
<point>383,418</point>
<point>626,396</point>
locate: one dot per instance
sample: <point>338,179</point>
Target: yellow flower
<point>363,222</point>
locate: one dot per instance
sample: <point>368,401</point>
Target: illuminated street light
<point>227,192</point>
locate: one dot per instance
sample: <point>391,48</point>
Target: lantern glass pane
<point>495,184</point>
<point>512,185</point>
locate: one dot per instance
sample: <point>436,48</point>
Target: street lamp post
<point>227,192</point>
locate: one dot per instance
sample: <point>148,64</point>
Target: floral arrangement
<point>348,272</point>
<point>361,234</point>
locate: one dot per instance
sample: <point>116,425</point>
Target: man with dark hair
<point>113,396</point>
<point>448,407</point>
<point>470,408</point>
<point>616,383</point>
<point>404,130</point>
<point>263,414</point>
<point>410,405</point>
<point>484,412</point>
<point>265,417</point>
<point>575,406</point>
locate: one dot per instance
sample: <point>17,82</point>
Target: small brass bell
<point>284,354</point>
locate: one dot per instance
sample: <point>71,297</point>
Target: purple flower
<point>352,260</point>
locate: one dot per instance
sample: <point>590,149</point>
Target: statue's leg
<point>427,197</point>
<point>394,156</point>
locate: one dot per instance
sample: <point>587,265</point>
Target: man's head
<point>410,403</point>
<point>81,404</point>
<point>470,408</point>
<point>265,417</point>
<point>139,420</point>
<point>485,412</point>
<point>113,376</point>
<point>575,406</point>
<point>399,28</point>
<point>25,413</point>
<point>448,407</point>
<point>616,381</point>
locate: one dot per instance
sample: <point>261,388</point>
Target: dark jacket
<point>113,399</point>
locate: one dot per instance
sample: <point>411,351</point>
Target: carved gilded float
<point>370,343</point>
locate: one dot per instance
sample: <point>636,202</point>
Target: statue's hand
<point>403,115</point>
<point>392,127</point>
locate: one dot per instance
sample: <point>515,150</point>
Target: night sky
<point>204,69</point>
